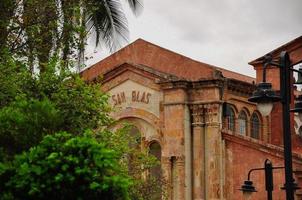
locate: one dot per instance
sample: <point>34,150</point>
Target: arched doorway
<point>155,150</point>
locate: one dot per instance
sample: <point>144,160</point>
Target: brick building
<point>196,118</point>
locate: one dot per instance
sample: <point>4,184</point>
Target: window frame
<point>255,116</point>
<point>243,130</point>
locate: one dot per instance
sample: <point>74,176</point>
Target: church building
<point>196,118</point>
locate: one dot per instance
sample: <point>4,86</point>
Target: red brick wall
<point>243,154</point>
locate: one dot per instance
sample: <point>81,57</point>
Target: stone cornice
<point>174,84</point>
<point>187,84</point>
<point>243,88</point>
<point>140,69</point>
<point>137,68</point>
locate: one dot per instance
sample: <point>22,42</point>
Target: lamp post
<point>264,96</point>
<point>247,188</point>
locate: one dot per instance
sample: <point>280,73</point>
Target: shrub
<point>63,166</point>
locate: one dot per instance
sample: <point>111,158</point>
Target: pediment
<point>143,53</point>
<point>140,74</point>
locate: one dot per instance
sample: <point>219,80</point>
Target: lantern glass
<point>247,195</point>
<point>265,108</point>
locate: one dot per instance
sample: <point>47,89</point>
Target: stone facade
<point>209,134</point>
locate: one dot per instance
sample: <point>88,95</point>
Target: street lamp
<point>264,96</point>
<point>247,188</point>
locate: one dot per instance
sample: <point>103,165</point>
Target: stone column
<point>198,153</point>
<point>214,152</point>
<point>180,169</point>
<point>166,171</point>
<point>208,152</point>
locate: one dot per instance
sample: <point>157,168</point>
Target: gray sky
<point>224,33</point>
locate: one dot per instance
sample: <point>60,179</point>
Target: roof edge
<point>277,50</point>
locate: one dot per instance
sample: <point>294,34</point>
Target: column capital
<point>180,160</point>
<point>205,113</point>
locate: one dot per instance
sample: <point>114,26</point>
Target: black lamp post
<point>264,96</point>
<point>247,188</point>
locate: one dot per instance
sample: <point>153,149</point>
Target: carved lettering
<point>119,101</point>
<point>148,98</point>
<point>143,97</point>
<point>118,98</point>
<point>114,100</point>
<point>136,96</point>
<point>123,97</point>
<point>133,96</point>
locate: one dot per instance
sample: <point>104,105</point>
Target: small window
<point>242,120</point>
<point>231,120</point>
<point>255,126</point>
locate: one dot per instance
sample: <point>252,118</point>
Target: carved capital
<point>180,160</point>
<point>197,112</point>
<point>204,113</point>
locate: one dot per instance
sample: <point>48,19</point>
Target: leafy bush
<point>25,122</point>
<point>65,167</point>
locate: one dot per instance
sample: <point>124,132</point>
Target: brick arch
<point>134,115</point>
<point>140,114</point>
<point>246,110</point>
<point>155,139</point>
<point>234,107</point>
<point>258,115</point>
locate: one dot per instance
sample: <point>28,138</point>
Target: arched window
<point>242,121</point>
<point>155,150</point>
<point>231,120</point>
<point>255,126</point>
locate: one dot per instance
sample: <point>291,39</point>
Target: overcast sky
<point>224,33</point>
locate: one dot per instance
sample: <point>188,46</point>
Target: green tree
<point>34,106</point>
<point>7,8</point>
<point>36,30</point>
<point>25,122</point>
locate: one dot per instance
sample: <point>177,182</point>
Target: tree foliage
<point>56,137</point>
<point>65,167</point>
<point>36,30</point>
<point>33,107</point>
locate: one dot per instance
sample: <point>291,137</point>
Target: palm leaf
<point>136,6</point>
<point>107,19</point>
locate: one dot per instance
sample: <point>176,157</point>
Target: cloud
<point>226,33</point>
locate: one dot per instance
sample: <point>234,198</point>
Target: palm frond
<point>107,19</point>
<point>136,6</point>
